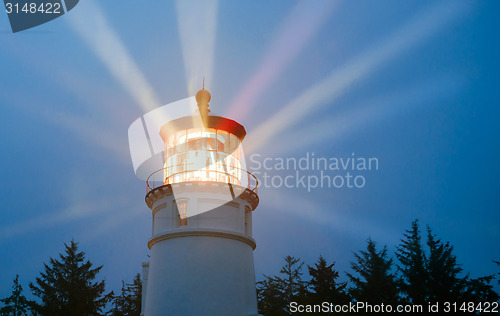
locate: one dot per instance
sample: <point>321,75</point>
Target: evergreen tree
<point>270,297</point>
<point>294,288</point>
<point>443,283</point>
<point>67,286</point>
<point>128,303</point>
<point>412,258</point>
<point>436,277</point>
<point>376,283</point>
<point>276,293</point>
<point>324,284</point>
<point>480,290</point>
<point>16,304</point>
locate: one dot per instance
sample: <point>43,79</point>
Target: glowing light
<point>202,155</point>
<point>338,82</point>
<point>302,23</point>
<point>197,21</point>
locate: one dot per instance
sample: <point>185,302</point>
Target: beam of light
<point>79,208</point>
<point>197,23</point>
<point>92,26</point>
<point>303,22</point>
<point>114,220</point>
<point>102,135</point>
<point>75,212</point>
<point>331,129</point>
<point>339,81</point>
<point>343,221</point>
<point>102,131</point>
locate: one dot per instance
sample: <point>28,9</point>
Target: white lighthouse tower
<point>202,202</point>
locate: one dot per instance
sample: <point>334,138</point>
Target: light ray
<point>114,220</point>
<point>341,220</point>
<point>331,129</point>
<point>339,81</point>
<point>75,212</point>
<point>92,26</point>
<point>197,23</point>
<point>303,22</point>
<point>102,135</point>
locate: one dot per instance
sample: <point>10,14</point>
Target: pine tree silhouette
<point>413,282</point>
<point>128,303</point>
<point>376,282</point>
<point>443,283</point>
<point>16,304</point>
<point>293,285</point>
<point>479,290</point>
<point>67,286</point>
<point>276,293</point>
<point>324,284</point>
<point>270,297</point>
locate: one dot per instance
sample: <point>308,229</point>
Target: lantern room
<point>203,147</point>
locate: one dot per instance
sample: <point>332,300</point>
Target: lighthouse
<point>201,202</point>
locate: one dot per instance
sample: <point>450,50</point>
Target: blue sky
<point>411,83</point>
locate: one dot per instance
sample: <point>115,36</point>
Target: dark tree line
<point>418,274</point>
<point>422,274</point>
<point>68,286</point>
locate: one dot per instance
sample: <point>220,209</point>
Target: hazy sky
<point>413,84</point>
